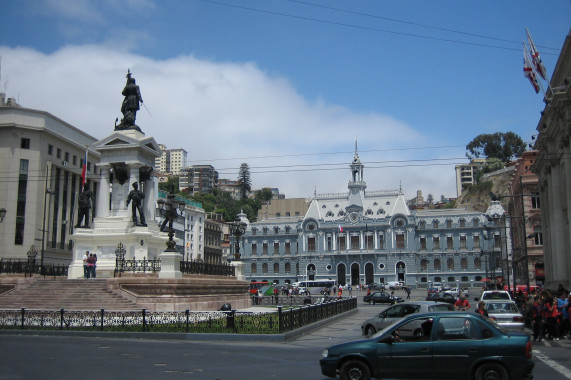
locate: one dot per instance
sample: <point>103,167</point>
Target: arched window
<point>435,224</point>
<point>276,268</point>
<point>475,222</point>
<point>464,278</point>
<point>450,263</point>
<point>462,222</point>
<point>422,225</point>
<point>264,268</point>
<point>423,264</point>
<point>437,264</point>
<point>463,263</point>
<point>287,267</point>
<point>254,268</point>
<point>477,263</point>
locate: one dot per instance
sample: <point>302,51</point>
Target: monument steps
<point>79,294</point>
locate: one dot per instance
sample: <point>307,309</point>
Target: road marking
<point>553,364</point>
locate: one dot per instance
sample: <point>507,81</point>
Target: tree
<point>245,184</point>
<point>503,146</point>
<point>263,195</point>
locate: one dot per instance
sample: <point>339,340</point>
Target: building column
<point>557,266</point>
<point>103,193</point>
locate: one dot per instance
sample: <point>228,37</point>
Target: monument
<point>127,159</point>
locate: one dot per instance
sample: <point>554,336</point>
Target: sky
<point>290,87</point>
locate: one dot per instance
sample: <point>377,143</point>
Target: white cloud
<point>224,110</point>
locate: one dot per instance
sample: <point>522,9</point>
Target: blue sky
<point>287,86</point>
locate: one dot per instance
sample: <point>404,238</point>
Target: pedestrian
<point>552,318</point>
<point>563,308</point>
<point>91,266</point>
<point>85,266</point>
<point>482,308</point>
<point>462,304</point>
<point>407,290</point>
<point>340,291</point>
<point>350,289</point>
<point>538,321</point>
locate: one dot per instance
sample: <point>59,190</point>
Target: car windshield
<point>501,307</point>
<point>496,296</point>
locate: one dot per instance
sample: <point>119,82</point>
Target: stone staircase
<point>80,294</point>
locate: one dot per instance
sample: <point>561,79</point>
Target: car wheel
<point>355,370</point>
<point>418,332</point>
<point>371,302</point>
<point>370,330</point>
<point>491,371</point>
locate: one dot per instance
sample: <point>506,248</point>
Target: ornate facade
<point>361,237</point>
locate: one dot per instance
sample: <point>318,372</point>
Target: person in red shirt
<point>462,304</point>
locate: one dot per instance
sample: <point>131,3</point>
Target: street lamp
<point>2,214</point>
<point>32,253</point>
<point>168,209</point>
<point>237,228</point>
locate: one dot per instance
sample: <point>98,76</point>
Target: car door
<point>388,317</point>
<point>458,343</point>
<point>409,355</point>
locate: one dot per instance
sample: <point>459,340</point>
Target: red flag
<point>528,71</point>
<point>84,170</point>
<point>535,58</point>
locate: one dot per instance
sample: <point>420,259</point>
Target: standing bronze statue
<point>137,197</point>
<point>130,105</point>
<point>85,199</point>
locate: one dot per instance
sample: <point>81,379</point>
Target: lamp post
<point>32,253</point>
<point>48,191</point>
<point>2,214</point>
<point>168,208</point>
<point>238,228</point>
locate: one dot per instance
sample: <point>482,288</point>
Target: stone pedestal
<point>239,269</point>
<point>170,264</point>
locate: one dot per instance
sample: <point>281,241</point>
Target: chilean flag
<point>528,71</point>
<point>84,170</point>
<point>340,228</point>
<point>535,58</point>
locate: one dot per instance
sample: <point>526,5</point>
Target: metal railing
<point>237,322</point>
<point>27,267</point>
<point>136,266</point>
<point>201,267</point>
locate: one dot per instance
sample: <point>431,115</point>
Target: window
<point>463,263</point>
<point>58,154</point>
<point>24,143</point>
<point>276,268</point>
<point>476,241</point>
<point>355,242</point>
<point>436,243</point>
<point>457,328</point>
<point>462,242</point>
<point>342,242</point>
<point>538,238</point>
<point>423,244</point>
<point>254,268</point>
<point>265,230</point>
<point>254,249</point>
<point>264,248</point>
<point>287,229</point>
<point>50,149</point>
<point>477,263</point>
<point>381,242</point>
<point>497,241</point>
<point>400,241</point>
<point>435,224</point>
<point>448,223</point>
<point>265,268</point>
<point>424,265</point>
<point>475,222</point>
<point>449,242</point>
<point>311,244</point>
<point>369,242</point>
<point>287,267</point>
<point>450,263</point>
<point>437,265</point>
<point>422,225</point>
<point>535,201</point>
<point>276,248</point>
<point>287,248</point>
<point>329,242</point>
<point>74,161</point>
<point>462,223</point>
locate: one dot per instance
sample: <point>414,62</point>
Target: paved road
<point>55,357</point>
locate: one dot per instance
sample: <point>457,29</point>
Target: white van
<point>392,285</point>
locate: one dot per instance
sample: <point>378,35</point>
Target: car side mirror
<point>389,339</point>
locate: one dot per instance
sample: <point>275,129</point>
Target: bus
<point>317,286</point>
<point>254,286</point>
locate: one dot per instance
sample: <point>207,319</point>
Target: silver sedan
<point>506,314</point>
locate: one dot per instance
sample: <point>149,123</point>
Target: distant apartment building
<point>198,179</point>
<point>231,186</point>
<point>277,208</point>
<point>171,161</point>
<point>466,174</point>
<point>213,235</point>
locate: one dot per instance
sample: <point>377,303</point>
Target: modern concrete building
<point>284,207</point>
<point>41,157</point>
<point>360,237</point>
<point>466,174</point>
<point>171,161</point>
<point>198,179</point>
<point>553,169</point>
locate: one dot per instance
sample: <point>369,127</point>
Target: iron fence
<point>136,266</point>
<point>201,267</point>
<point>238,322</point>
<point>27,267</point>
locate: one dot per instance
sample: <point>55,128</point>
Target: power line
<point>518,49</point>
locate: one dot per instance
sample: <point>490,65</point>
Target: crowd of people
<point>548,316</point>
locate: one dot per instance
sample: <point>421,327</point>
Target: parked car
<point>381,297</point>
<point>455,292</point>
<point>392,285</point>
<point>506,314</point>
<point>397,312</point>
<point>437,285</point>
<point>375,286</point>
<point>456,345</point>
<point>495,295</point>
<point>441,297</point>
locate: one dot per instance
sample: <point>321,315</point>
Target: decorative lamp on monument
<point>168,209</point>
<point>238,229</point>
